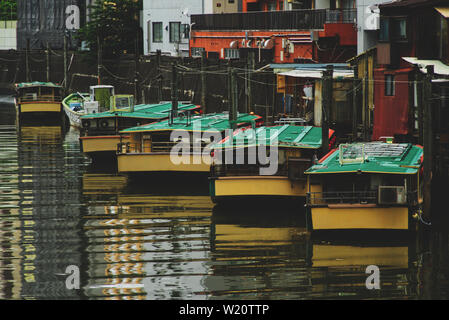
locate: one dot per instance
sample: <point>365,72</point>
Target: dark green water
<point>130,241</point>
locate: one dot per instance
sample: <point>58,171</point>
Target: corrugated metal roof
<point>378,157</point>
<point>444,11</point>
<point>147,111</point>
<point>317,73</point>
<point>208,122</point>
<point>439,67</point>
<point>36,84</point>
<point>283,136</point>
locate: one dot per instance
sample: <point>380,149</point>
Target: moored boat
<point>366,186</point>
<point>280,155</point>
<point>78,104</point>
<point>43,98</point>
<point>100,131</point>
<point>177,145</point>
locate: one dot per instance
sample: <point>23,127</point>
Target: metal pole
<point>48,61</point>
<point>428,141</point>
<point>174,90</point>
<point>27,61</point>
<point>65,61</point>
<point>203,82</point>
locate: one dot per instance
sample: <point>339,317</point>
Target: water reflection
<point>150,240</point>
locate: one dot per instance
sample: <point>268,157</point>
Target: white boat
<point>78,104</point>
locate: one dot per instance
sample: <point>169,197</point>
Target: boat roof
<point>289,136</point>
<point>36,84</point>
<point>206,122</point>
<point>371,157</point>
<point>147,111</point>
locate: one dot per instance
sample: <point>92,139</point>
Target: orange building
<point>276,35</point>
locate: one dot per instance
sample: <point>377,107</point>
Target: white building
<point>367,24</point>
<point>8,35</point>
<point>166,25</point>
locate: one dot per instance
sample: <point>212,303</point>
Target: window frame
<point>390,85</point>
<point>170,28</point>
<point>153,38</point>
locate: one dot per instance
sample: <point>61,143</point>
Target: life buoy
<point>86,123</point>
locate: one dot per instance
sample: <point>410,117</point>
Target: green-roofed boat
<point>177,145</point>
<point>362,186</point>
<point>38,98</point>
<point>100,131</point>
<point>266,163</point>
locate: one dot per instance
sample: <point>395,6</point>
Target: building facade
<point>413,34</point>
<point>326,34</point>
<point>166,24</point>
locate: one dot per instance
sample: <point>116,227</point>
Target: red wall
<point>391,112</point>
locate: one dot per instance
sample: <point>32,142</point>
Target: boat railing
<point>227,170</point>
<point>342,197</point>
<point>43,98</point>
<point>158,147</point>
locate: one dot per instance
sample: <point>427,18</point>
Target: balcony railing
<point>273,20</point>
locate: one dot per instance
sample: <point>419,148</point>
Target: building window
<point>389,85</point>
<point>175,32</point>
<point>231,53</point>
<point>384,33</point>
<point>230,1</point>
<point>399,29</point>
<point>196,52</point>
<point>185,31</point>
<point>157,31</point>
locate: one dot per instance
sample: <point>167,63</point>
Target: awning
<point>444,11</point>
<point>439,67</point>
<point>317,73</point>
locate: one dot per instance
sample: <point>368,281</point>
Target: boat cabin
<point>267,161</point>
<point>379,182</point>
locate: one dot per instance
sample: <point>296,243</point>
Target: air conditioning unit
<point>91,107</point>
<point>392,195</point>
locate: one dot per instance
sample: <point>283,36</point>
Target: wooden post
<point>428,141</point>
<point>366,103</point>
<point>65,61</point>
<point>99,58</point>
<point>419,93</point>
<point>203,82</point>
<point>251,67</point>
<point>354,103</point>
<point>158,66</point>
<point>174,90</point>
<point>136,72</point>
<point>326,107</point>
<point>27,62</point>
<point>47,54</point>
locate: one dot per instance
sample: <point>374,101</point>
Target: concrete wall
<point>367,24</point>
<point>167,11</point>
<point>8,35</point>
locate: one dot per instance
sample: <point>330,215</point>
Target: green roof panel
<point>207,122</point>
<point>283,135</point>
<point>147,111</point>
<point>371,157</point>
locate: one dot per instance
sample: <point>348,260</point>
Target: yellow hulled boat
<point>42,98</point>
<point>100,131</point>
<point>290,150</point>
<point>178,145</point>
<point>365,186</point>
